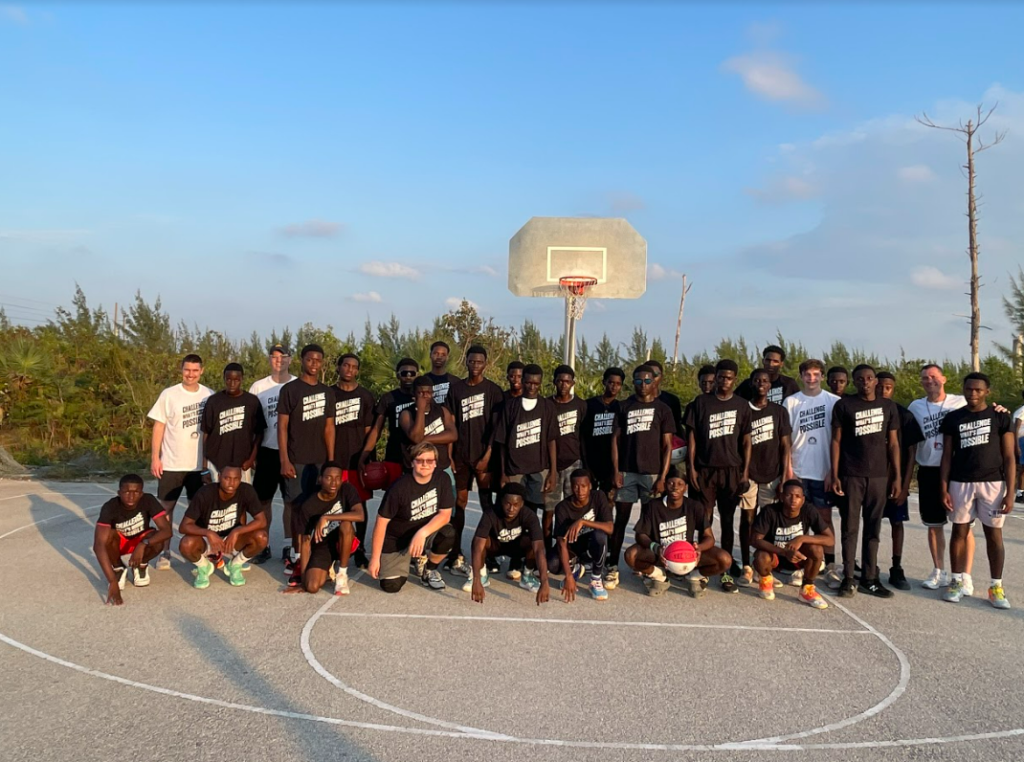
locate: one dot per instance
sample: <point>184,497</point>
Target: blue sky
<point>262,165</point>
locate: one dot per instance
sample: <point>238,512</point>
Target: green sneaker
<point>202,575</point>
<point>997,597</point>
<point>234,573</point>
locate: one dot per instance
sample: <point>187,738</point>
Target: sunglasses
<point>407,373</point>
<point>424,461</point>
<point>644,381</point>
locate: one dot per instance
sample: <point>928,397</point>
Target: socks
<point>203,562</point>
<point>658,575</point>
<point>996,583</point>
<point>240,558</point>
<point>958,577</point>
<point>431,565</point>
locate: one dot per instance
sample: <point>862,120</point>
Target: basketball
<point>680,557</point>
<point>678,451</point>
<point>375,476</point>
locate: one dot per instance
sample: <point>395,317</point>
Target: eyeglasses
<point>424,461</point>
<point>644,381</point>
<point>407,373</point>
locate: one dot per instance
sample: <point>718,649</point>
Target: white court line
<point>51,518</point>
<point>605,622</point>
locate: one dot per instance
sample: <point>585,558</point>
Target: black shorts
<point>719,485</point>
<point>929,497</point>
<point>267,479</point>
<point>465,477</point>
<point>322,555</point>
<point>304,483</point>
<point>173,482</point>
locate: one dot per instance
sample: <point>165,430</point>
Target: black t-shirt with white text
<point>596,437</point>
<point>782,387</point>
<point>130,522</point>
<point>767,428</point>
<point>433,423</point>
<point>778,529</point>
<point>641,427</point>
<point>221,516</point>
<point>353,415</point>
<point>863,449</point>
<point>976,442</point>
<point>909,435</point>
<point>390,405</point>
<point>570,419</point>
<point>409,506</point>
<point>597,509</point>
<point>718,428</point>
<point>473,409</point>
<point>232,425</point>
<point>493,524</point>
<point>665,525</point>
<point>313,507</point>
<point>525,435</point>
<point>675,406</point>
<point>308,406</point>
<point>442,386</point>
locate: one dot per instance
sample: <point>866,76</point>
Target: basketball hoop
<point>574,288</point>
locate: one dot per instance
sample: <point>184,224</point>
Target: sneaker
<point>697,583</point>
<point>286,553</point>
<point>493,566</point>
<point>218,560</point>
<point>295,580</point>
<point>163,562</point>
<point>233,572</point>
<point>202,575</point>
<point>289,567</point>
<point>997,597</point>
<point>513,574</point>
<point>656,586</point>
<point>766,588</point>
<point>776,582</point>
<point>361,561</point>
<point>122,576</point>
<point>485,580</point>
<point>459,567</point>
<point>421,567</point>
<point>262,557</point>
<point>597,589</point>
<point>955,593</point>
<point>611,579</point>
<point>812,597</point>
<point>578,570</point>
<point>529,582</point>
<point>847,589</point>
<point>796,579</point>
<point>874,587</point>
<point>832,579</point>
<point>141,576</point>
<point>938,578</point>
<point>728,586</point>
<point>432,578</point>
<point>341,585</point>
<point>968,585</point>
<point>746,579</point>
<point>898,579</point>
<point>735,570</point>
<point>1020,496</point>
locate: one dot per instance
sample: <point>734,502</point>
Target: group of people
<point>557,478</point>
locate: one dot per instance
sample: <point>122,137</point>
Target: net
<point>574,288</point>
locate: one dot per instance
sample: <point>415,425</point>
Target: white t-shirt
<point>181,412</point>
<point>267,390</point>
<point>1018,416</point>
<point>811,419</point>
<point>929,416</point>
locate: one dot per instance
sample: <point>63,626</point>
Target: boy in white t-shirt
<point>810,414</point>
<point>1018,431</point>
<point>177,445</point>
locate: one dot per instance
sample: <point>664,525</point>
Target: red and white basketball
<point>680,557</point>
<point>375,476</point>
<point>678,451</point>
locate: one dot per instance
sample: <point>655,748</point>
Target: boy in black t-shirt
<point>528,433</point>
<point>668,519</point>
<point>512,530</point>
<point>569,412</point>
<point>441,378</point>
<point>718,455</point>
<point>582,525</point>
<point>305,435</point>
<point>389,408</point>
<point>124,537</point>
<point>597,429</point>
<point>354,407</point>
<point>412,522</point>
<point>667,397</point>
<point>336,502</point>
<point>896,511</point>
<point>772,359</point>
<point>791,534</point>
<point>215,527</point>
<point>866,472</point>
<point>233,424</point>
<point>706,379</point>
<point>837,379</point>
<point>641,456</point>
<point>977,476</point>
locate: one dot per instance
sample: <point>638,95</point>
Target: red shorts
<point>127,545</point>
<point>353,477</point>
<point>395,471</point>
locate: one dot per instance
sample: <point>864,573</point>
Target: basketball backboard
<point>548,248</point>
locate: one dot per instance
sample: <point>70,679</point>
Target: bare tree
<point>966,133</point>
<point>679,322</point>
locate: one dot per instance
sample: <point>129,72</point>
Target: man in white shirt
<point>267,477</point>
<point>1018,432</point>
<point>176,459</point>
<point>929,412</point>
<point>810,414</point>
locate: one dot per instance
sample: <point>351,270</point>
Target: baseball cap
<point>280,348</point>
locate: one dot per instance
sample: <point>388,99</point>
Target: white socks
<point>658,575</point>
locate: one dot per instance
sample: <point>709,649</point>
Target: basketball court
<point>241,673</point>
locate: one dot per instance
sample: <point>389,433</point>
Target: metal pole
<point>568,352</point>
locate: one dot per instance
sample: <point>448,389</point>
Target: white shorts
<point>978,500</point>
<point>759,495</point>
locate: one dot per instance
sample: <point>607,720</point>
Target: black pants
<point>867,497</point>
<point>591,547</point>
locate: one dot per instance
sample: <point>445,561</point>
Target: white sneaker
<point>968,585</point>
<point>485,580</point>
<point>341,584</point>
<point>832,579</point>
<point>796,579</point>
<point>611,579</point>
<point>163,562</point>
<point>936,580</point>
<point>122,578</point>
<point>140,578</point>
<point>513,574</point>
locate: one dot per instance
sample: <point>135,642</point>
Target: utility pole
<point>679,321</point>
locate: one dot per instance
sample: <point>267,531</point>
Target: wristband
<point>205,472</point>
<point>656,548</point>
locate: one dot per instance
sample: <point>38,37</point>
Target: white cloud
<point>657,272</point>
<point>312,229</point>
<point>369,296</point>
<point>783,189</point>
<point>772,76</point>
<point>932,277</point>
<point>917,173</point>
<point>389,270</point>
<point>14,13</point>
<point>455,302</point>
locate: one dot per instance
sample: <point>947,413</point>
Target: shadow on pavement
<point>70,535</point>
